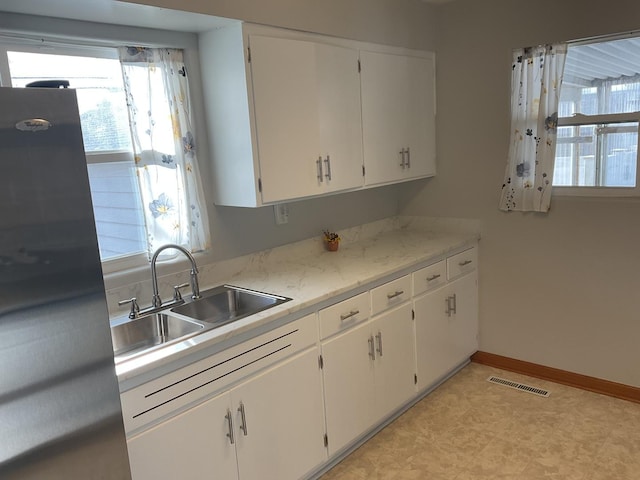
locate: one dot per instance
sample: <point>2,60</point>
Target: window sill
<point>602,192</point>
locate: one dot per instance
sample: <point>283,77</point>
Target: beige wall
<point>560,289</point>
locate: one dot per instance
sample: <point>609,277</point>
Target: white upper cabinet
<point>287,112</point>
<point>398,116</point>
<point>307,115</point>
<point>284,115</point>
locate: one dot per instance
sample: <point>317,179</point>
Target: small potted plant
<point>331,240</point>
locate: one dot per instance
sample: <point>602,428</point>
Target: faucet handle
<point>177,296</point>
<point>135,308</point>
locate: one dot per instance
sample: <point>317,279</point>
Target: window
<point>597,143</point>
<point>96,76</point>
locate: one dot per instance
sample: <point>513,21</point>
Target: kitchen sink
<point>141,334</point>
<point>216,307</point>
<point>225,304</point>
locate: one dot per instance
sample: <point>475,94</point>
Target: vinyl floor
<point>471,429</point>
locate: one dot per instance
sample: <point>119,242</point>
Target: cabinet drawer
<point>430,277</point>
<point>390,294</point>
<point>344,315</point>
<point>461,263</point>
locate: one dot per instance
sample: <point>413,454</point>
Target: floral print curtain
<point>535,92</point>
<point>164,146</point>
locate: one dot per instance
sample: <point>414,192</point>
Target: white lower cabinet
<point>348,386</point>
<point>271,426</point>
<point>446,322</point>
<point>282,432</point>
<point>368,373</point>
<point>192,445</point>
<point>393,335</point>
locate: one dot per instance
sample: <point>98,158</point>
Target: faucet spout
<point>195,287</point>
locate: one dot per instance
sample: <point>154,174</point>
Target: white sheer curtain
<point>164,146</point>
<point>535,92</point>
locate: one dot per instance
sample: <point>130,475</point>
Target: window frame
<point>605,119</point>
<point>115,264</point>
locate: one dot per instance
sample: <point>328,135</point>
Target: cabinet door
<point>395,361</point>
<point>398,112</point>
<point>307,117</point>
<point>280,421</point>
<point>464,325</point>
<point>339,117</point>
<point>445,340</point>
<point>192,445</point>
<point>286,111</point>
<point>348,385</point>
<point>432,336</point>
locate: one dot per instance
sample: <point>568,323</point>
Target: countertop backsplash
<point>225,271</point>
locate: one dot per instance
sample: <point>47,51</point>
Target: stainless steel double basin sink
<point>216,307</point>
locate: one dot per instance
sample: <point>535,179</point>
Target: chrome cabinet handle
<point>464,263</point>
<point>327,161</point>
<point>379,338</point>
<point>451,309</point>
<point>243,425</point>
<point>408,158</point>
<point>402,152</point>
<point>372,351</point>
<point>433,277</point>
<point>397,293</point>
<point>229,418</point>
<point>352,313</point>
<point>319,169</point>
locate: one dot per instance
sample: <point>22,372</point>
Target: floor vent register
<point>518,386</point>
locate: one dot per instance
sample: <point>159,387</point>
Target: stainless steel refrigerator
<point>60,415</point>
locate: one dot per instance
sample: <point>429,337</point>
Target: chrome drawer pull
<point>379,338</point>
<point>394,295</point>
<point>466,262</point>
<point>319,167</point>
<point>243,425</point>
<point>229,418</point>
<point>352,313</point>
<point>433,277</point>
<point>372,351</point>
<point>327,161</point>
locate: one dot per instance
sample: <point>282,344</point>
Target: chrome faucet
<point>156,301</point>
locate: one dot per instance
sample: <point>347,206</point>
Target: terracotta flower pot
<point>332,246</point>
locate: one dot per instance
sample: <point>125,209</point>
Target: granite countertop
<point>311,277</point>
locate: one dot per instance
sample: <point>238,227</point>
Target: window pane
<point>619,144</point>
<point>98,85</point>
<point>597,155</point>
<point>116,207</point>
<point>600,79</point>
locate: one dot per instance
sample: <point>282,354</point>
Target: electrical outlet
<point>281,212</point>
